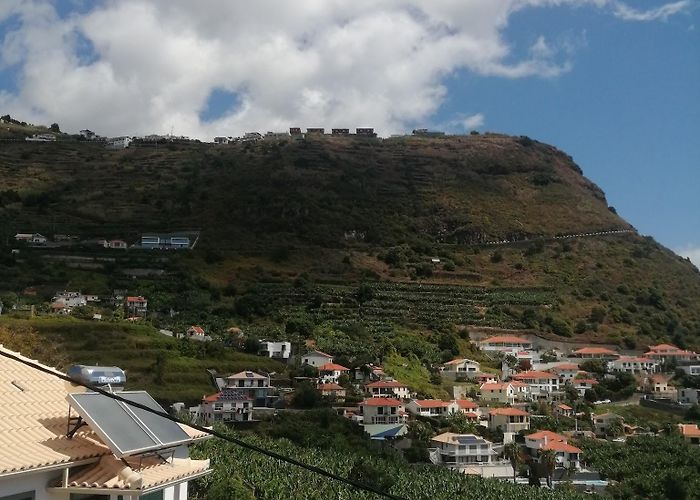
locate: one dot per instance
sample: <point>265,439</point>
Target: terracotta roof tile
<point>595,350</point>
<point>330,367</point>
<point>381,402</point>
<point>509,339</point>
<point>534,375</point>
<point>432,403</point>
<point>511,412</point>
<point>385,383</point>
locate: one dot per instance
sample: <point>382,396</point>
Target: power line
<point>212,432</point>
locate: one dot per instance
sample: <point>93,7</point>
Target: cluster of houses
<point>294,133</point>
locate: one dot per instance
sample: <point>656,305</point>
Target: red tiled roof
<point>135,299</point>
<point>635,359</point>
<point>381,402</point>
<point>505,339</point>
<point>551,436</point>
<point>494,386</point>
<point>590,381</point>
<point>564,407</point>
<point>518,383</point>
<point>534,375</point>
<point>432,403</point>
<point>689,430</point>
<point>331,367</point>
<point>385,383</point>
<point>664,347</point>
<point>510,412</point>
<point>197,329</point>
<point>330,387</point>
<point>565,367</point>
<point>559,446</point>
<point>217,396</point>
<point>595,350</point>
<point>319,352</point>
<point>467,404</point>
<point>471,414</point>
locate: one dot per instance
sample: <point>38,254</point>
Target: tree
<point>511,452</point>
<point>364,293</point>
<point>306,396</point>
<point>55,128</point>
<point>548,459</point>
<point>615,428</point>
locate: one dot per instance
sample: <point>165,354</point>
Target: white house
<point>539,382</point>
<point>431,407</point>
<point>277,350</point>
<point>382,411</point>
<point>692,369</point>
<point>255,385</point>
<point>505,343</point>
<point>459,450</point>
<point>634,365</point>
<point>316,358</point>
<point>331,390</point>
<point>388,389</point>
<point>566,372</point>
<point>508,419</point>
<point>118,142</point>
<point>657,384</point>
<point>566,455</point>
<point>595,353</point>
<point>601,423</point>
<point>331,372</point>
<point>39,461</point>
<point>669,352</point>
<point>688,395</point>
<point>584,384</point>
<point>31,238</point>
<point>460,366</point>
<point>502,392</point>
<point>229,405</point>
<point>136,305</point>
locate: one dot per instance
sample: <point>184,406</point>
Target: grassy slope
<point>437,195</point>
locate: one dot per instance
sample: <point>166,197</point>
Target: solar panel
<point>128,430</point>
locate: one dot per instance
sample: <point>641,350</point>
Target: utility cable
<point>212,432</point>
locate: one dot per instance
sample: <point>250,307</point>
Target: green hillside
<point>336,239</point>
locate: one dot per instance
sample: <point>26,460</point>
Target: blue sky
<point>614,84</point>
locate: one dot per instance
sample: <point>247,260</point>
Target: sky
<point>615,84</point>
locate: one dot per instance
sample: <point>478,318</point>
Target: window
<point>27,495</point>
<point>156,495</point>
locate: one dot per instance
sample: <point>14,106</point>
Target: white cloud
<point>692,252</point>
<point>662,12</point>
<point>473,122</point>
<point>305,63</point>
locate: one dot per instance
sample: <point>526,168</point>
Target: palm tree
<point>548,459</point>
<point>511,451</point>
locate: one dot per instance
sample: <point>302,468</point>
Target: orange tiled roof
<point>385,383</point>
<point>564,367</point>
<point>595,350</point>
<point>551,436</point>
<point>432,403</point>
<point>689,430</point>
<point>330,387</point>
<point>534,375</point>
<point>505,339</point>
<point>467,404</point>
<point>331,367</point>
<point>560,446</point>
<point>510,412</point>
<point>494,386</point>
<point>381,402</point>
<point>564,407</point>
<point>33,418</point>
<point>112,473</point>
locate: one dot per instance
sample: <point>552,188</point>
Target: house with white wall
<point>688,395</point>
<point>566,372</point>
<point>635,365</point>
<point>458,451</point>
<point>255,385</point>
<point>668,352</point>
<point>388,389</point>
<point>566,455</point>
<point>508,420</point>
<point>316,358</point>
<point>277,350</point>
<point>601,423</point>
<point>382,411</point>
<point>42,459</point>
<point>331,372</point>
<point>539,382</point>
<point>431,407</point>
<point>228,405</point>
<point>505,343</point>
<point>595,353</point>
<point>460,367</point>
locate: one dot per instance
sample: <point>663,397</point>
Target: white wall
<point>32,481</point>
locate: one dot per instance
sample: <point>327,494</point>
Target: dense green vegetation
<point>647,467</point>
<point>325,440</point>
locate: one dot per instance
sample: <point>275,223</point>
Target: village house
<point>254,385</point>
<point>690,368</point>
<point>431,407</point>
<point>66,301</point>
<point>370,373</point>
<point>136,306</point>
<point>505,343</point>
<point>277,350</point>
<point>340,131</point>
<point>563,410</point>
<point>365,131</point>
<point>88,134</point>
<point>690,433</point>
<point>31,238</point>
<point>508,420</point>
<point>566,372</point>
<point>196,333</point>
<point>331,372</point>
<point>504,392</point>
<point>566,455</point>
<point>276,136</point>
<point>539,382</point>
<point>295,131</point>
<point>316,358</point>
<point>584,384</point>
<point>41,458</point>
<point>315,131</point>
<point>601,423</point>
<point>388,389</point>
<point>223,139</point>
<point>113,244</point>
<point>688,395</point>
<point>118,142</point>
<point>669,352</point>
<point>382,411</point>
<point>469,408</point>
<point>634,365</point>
<point>332,391</point>
<point>229,405</point>
<point>482,378</point>
<point>657,385</point>
<point>459,450</point>
<point>165,241</point>
<point>460,367</point>
<point>595,353</point>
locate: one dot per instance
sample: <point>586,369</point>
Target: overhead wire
<point>207,430</point>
